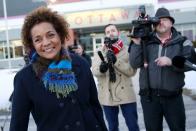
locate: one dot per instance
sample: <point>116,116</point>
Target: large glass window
<point>4,51</point>
<point>18,49</point>
<point>87,41</point>
<point>188,34</point>
<point>187,30</point>
<point>194,32</point>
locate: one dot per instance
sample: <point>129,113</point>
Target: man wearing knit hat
<point>160,82</point>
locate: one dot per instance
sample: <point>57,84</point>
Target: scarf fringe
<point>63,90</point>
<point>60,79</point>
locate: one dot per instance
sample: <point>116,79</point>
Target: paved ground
<point>190,106</point>
<point>190,113</point>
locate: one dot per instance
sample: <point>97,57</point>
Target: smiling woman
<point>57,87</point>
<point>46,41</point>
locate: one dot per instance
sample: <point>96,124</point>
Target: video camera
<point>108,41</point>
<point>73,47</point>
<point>142,27</point>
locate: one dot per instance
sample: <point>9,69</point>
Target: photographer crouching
<point>160,83</point>
<point>115,88</point>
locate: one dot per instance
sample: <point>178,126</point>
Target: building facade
<point>88,18</point>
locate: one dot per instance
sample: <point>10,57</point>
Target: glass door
<point>98,42</point>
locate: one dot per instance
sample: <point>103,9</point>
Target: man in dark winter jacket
<point>160,83</point>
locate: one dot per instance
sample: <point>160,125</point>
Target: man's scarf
<point>117,46</point>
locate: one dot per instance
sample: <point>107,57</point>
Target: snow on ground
<point>7,76</point>
<point>6,86</point>
<point>190,78</point>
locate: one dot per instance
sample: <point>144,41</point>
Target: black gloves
<point>103,67</point>
<point>111,57</point>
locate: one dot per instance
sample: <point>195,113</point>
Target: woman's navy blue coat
<point>80,111</point>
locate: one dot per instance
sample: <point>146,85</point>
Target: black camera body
<point>74,46</point>
<point>143,26</point>
<point>111,58</point>
<point>108,41</point>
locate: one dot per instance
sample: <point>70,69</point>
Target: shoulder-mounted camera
<point>143,26</point>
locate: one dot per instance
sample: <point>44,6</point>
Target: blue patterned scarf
<point>58,77</point>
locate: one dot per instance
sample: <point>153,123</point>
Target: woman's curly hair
<point>43,14</point>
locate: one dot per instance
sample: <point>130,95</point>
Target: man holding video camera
<point>160,83</point>
<point>113,72</point>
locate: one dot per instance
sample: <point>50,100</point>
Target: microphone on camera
<point>181,62</point>
<point>101,56</point>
